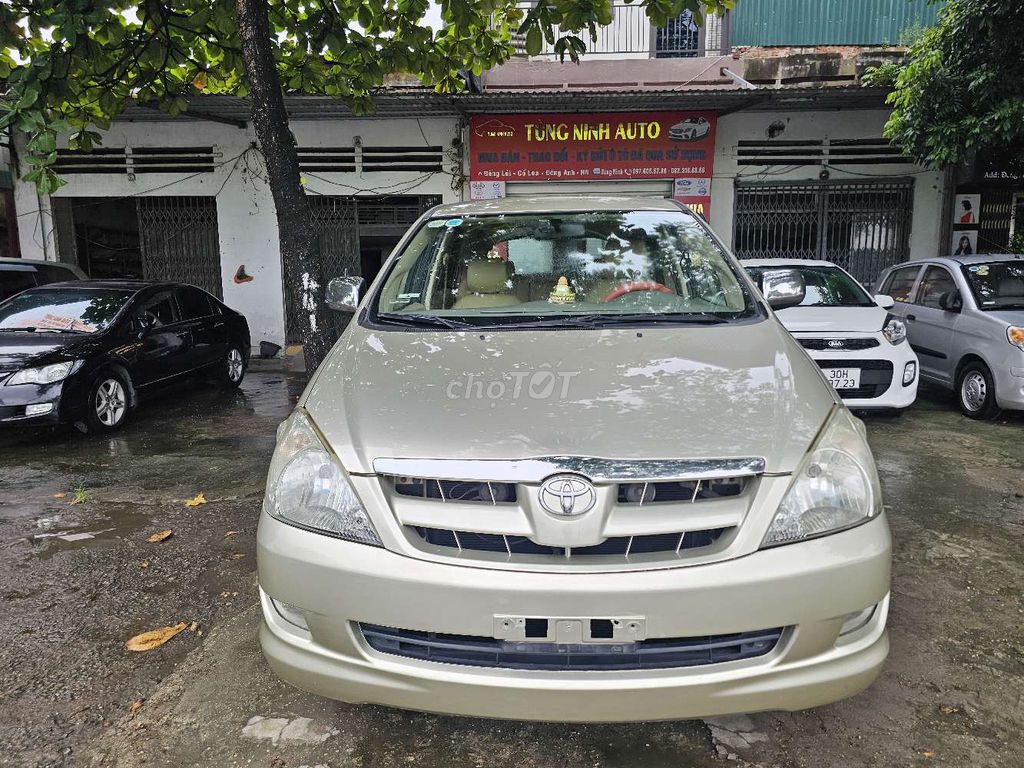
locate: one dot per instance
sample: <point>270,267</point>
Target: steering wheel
<point>643,285</point>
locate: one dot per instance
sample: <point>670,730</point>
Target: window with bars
<point>863,226</point>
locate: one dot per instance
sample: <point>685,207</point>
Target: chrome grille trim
<point>598,470</point>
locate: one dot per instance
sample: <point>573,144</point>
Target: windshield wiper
<point>419,321</point>
<point>34,329</point>
<point>595,320</point>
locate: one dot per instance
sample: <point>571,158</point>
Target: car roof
<point>950,261</point>
<point>35,263</point>
<point>132,285</point>
<point>787,263</point>
<point>555,204</point>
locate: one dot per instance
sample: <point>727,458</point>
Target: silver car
<point>565,464</point>
<point>965,319</point>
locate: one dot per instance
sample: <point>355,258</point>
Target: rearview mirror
<point>885,302</point>
<point>951,301</point>
<point>343,293</point>
<point>783,288</point>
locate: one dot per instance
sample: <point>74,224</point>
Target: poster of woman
<point>965,242</point>
<point>966,209</point>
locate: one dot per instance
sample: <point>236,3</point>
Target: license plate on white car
<point>843,378</point>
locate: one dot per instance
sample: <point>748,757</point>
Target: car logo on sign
<point>567,496</point>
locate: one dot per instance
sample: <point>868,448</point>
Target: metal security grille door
<point>339,221</point>
<point>862,226</point>
<point>179,240</point>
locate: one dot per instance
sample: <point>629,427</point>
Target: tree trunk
<point>300,247</point>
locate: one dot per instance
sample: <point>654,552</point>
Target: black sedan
<point>85,352</point>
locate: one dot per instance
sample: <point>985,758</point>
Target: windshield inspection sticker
<point>435,223</point>
<point>453,222</point>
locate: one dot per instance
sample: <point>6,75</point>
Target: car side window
<point>14,281</point>
<point>193,303</point>
<point>936,281</point>
<point>162,307</point>
<point>900,283</point>
<point>54,273</point>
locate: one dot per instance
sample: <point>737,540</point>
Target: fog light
<point>856,620</point>
<point>909,372</point>
<point>291,614</point>
<point>39,409</point>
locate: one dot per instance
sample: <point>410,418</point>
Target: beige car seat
<point>487,283</point>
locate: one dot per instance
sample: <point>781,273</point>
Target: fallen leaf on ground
<point>160,536</point>
<point>144,563</point>
<point>196,501</point>
<point>238,556</point>
<point>927,753</point>
<point>948,710</point>
<point>135,707</point>
<point>59,495</point>
<point>147,641</point>
<point>194,626</point>
<point>231,533</point>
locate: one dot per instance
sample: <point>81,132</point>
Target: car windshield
<point>62,310</point>
<point>997,285</point>
<point>826,286</point>
<point>589,268</point>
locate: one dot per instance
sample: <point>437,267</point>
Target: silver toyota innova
<point>565,464</point>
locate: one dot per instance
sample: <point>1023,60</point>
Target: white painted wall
<point>245,209</point>
<point>926,223</point>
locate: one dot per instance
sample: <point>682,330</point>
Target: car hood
<point>663,393</point>
<point>833,319</point>
<point>20,349</point>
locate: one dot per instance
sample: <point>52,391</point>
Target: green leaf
<point>534,40</point>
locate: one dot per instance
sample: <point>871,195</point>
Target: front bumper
<point>897,395</point>
<point>15,399</point>
<point>807,587</point>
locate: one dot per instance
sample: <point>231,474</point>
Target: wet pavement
<point>79,579</point>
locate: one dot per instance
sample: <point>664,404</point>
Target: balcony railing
<point>631,35</point>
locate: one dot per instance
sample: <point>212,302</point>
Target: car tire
<point>109,402</point>
<point>976,392</point>
<point>232,368</point>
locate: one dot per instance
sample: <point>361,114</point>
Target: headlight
<point>1015,336</point>
<point>307,488</point>
<point>46,374</point>
<point>835,488</point>
<point>894,330</point>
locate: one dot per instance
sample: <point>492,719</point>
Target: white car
<point>860,347</point>
<point>690,129</point>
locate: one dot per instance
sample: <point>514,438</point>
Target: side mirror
<point>951,301</point>
<point>885,302</point>
<point>343,293</point>
<point>783,288</point>
<point>144,323</point>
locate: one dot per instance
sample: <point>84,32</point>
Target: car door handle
<point>911,318</point>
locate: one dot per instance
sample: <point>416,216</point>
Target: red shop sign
<point>597,147</point>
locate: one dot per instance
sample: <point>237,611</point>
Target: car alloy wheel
<point>236,365</point>
<point>111,402</point>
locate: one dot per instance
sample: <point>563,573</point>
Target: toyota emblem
<point>567,496</point>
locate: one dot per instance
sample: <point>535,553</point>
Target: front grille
<point>687,491</point>
<point>844,344</point>
<point>474,651</point>
<point>520,545</point>
<point>455,490</point>
<point>875,377</point>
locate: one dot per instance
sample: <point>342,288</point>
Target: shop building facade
<point>780,148</point>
